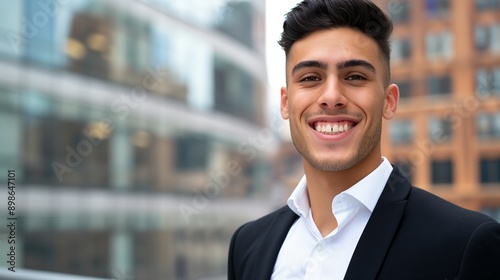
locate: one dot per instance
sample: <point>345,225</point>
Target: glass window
<point>442,172</point>
<point>401,131</point>
<point>47,250</point>
<point>404,89</point>
<point>487,38</point>
<point>9,99</point>
<point>482,5</point>
<point>439,45</point>
<point>143,151</point>
<point>495,38</point>
<point>493,212</point>
<point>401,49</point>
<point>440,129</point>
<point>447,45</point>
<point>481,36</point>
<point>192,152</point>
<point>495,119</point>
<point>39,150</point>
<point>437,8</point>
<point>487,82</point>
<point>88,46</point>
<point>495,81</point>
<point>431,44</point>
<point>439,85</point>
<point>399,11</point>
<point>234,90</point>
<point>237,22</point>
<point>488,125</point>
<point>40,48</point>
<point>13,43</point>
<point>482,82</point>
<point>483,126</point>
<point>60,152</point>
<point>37,104</point>
<point>490,171</point>
<point>10,150</point>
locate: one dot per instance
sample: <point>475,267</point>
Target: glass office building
<point>136,130</point>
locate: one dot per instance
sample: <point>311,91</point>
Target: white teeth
<point>332,128</point>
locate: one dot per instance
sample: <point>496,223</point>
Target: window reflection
<point>401,49</point>
<point>402,131</point>
<point>437,8</point>
<point>488,125</point>
<point>440,129</point>
<point>442,172</point>
<point>439,85</point>
<point>439,45</point>
<point>490,170</point>
<point>487,38</point>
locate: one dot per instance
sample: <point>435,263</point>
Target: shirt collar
<point>367,190</point>
<point>299,199</point>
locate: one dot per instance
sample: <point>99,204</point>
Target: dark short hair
<point>362,15</point>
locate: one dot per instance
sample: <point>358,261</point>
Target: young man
<point>354,216</point>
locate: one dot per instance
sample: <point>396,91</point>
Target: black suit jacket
<point>411,234</point>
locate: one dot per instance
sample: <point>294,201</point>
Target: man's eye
<point>355,77</point>
<point>310,79</point>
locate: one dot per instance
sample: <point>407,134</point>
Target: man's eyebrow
<point>309,63</point>
<point>354,63</point>
<point>340,66</point>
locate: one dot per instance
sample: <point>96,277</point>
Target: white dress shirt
<point>305,253</point>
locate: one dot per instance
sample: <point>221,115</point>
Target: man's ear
<point>284,104</point>
<point>391,101</point>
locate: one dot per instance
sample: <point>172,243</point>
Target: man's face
<point>335,98</point>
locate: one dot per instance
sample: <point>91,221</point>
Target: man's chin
<point>331,165</point>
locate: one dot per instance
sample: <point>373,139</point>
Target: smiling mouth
<point>333,128</point>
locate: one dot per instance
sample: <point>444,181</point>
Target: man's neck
<point>323,186</point>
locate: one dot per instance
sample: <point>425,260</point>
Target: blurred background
<point>144,132</point>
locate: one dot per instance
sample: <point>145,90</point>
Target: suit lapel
<point>380,229</point>
<point>273,238</point>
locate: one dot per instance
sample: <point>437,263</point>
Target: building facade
<point>136,131</point>
<point>446,135</point>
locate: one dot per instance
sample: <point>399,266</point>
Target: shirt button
<point>321,247</point>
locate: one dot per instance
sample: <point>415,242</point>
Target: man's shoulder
<point>421,205</point>
<point>259,241</point>
<point>256,226</point>
<point>433,207</point>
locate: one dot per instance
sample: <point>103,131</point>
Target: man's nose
<point>332,95</point>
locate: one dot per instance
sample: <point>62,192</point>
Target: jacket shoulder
<point>436,208</point>
<point>258,241</point>
<point>255,227</point>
